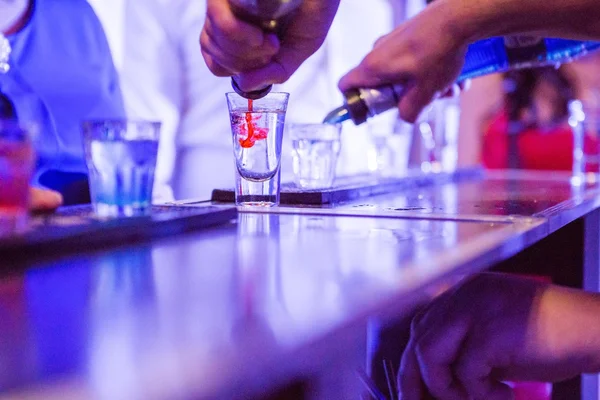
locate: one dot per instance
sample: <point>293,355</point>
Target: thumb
<point>44,200</point>
<point>279,70</point>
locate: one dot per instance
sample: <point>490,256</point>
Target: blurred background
<point>517,120</point>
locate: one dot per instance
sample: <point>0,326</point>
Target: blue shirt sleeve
<point>62,74</point>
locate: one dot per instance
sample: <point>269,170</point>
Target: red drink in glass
<point>16,168</point>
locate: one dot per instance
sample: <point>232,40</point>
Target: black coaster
<point>356,187</point>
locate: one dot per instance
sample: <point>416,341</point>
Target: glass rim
<point>322,131</point>
<point>267,95</point>
<point>314,124</point>
<point>272,102</point>
<point>95,122</point>
<point>92,129</point>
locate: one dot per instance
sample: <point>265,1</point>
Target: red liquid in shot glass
<point>249,133</point>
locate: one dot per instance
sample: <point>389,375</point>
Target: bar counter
<point>276,301</point>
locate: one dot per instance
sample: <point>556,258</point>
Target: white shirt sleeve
<point>205,119</point>
<point>147,56</point>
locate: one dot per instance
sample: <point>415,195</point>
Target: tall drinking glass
<point>121,159</point>
<point>257,129</point>
<point>17,159</point>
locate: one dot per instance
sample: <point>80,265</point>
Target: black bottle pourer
<point>252,95</point>
<point>363,103</point>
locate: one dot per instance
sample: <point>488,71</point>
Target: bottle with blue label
<point>497,54</point>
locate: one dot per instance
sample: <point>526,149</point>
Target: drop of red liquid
<point>249,132</point>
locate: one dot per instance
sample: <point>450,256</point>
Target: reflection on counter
<point>193,310</point>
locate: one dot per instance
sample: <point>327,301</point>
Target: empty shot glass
<point>17,160</point>
<point>121,160</point>
<point>316,148</point>
<point>257,130</point>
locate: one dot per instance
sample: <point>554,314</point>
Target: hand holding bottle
<point>425,54</point>
<point>232,47</point>
<point>454,40</point>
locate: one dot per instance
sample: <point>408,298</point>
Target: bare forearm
<point>562,338</point>
<point>476,19</point>
<point>571,319</point>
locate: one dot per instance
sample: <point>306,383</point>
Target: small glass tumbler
<point>316,148</point>
<point>585,123</point>
<point>17,160</point>
<point>257,130</point>
<point>121,160</point>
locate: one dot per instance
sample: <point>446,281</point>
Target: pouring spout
<point>337,116</point>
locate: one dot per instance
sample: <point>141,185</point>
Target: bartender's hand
<point>496,327</point>
<point>425,53</point>
<point>41,200</point>
<point>232,47</point>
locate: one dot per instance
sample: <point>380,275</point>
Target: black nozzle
<point>253,95</point>
<point>357,108</point>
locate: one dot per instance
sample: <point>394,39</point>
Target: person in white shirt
<point>164,77</point>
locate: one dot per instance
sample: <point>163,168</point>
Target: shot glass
<point>315,152</point>
<point>585,123</point>
<point>121,159</point>
<point>17,159</point>
<point>257,129</point>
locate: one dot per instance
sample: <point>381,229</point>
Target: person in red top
<point>534,121</point>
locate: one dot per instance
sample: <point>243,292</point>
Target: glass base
<point>309,184</point>
<point>257,201</point>
<point>257,193</point>
<point>106,210</point>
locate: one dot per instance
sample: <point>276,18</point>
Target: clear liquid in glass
<point>122,175</point>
